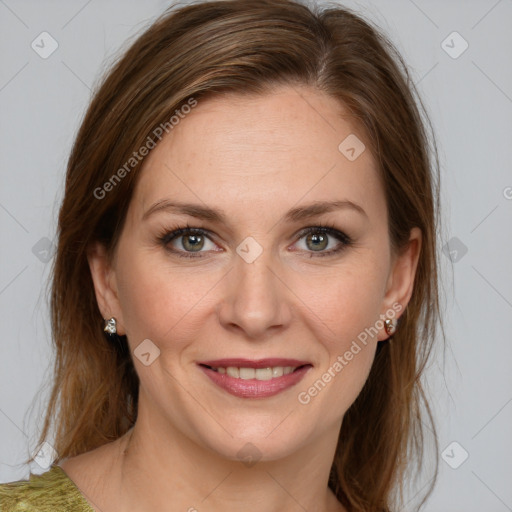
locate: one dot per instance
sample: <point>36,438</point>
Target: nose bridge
<point>255,300</point>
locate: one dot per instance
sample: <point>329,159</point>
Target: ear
<point>105,287</point>
<point>400,283</point>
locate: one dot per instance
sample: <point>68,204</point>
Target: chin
<point>251,444</point>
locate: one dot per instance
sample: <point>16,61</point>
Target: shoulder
<point>52,491</point>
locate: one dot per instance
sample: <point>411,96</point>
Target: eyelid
<point>328,229</point>
<point>324,228</point>
<point>176,232</point>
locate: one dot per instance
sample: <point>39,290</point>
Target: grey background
<point>469,99</point>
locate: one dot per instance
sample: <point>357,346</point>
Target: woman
<point>245,288</point>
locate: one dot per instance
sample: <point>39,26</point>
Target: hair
<point>238,47</point>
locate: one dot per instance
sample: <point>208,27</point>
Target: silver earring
<point>110,325</point>
<point>390,326</point>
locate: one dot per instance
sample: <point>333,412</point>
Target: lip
<point>258,363</point>
<point>253,388</point>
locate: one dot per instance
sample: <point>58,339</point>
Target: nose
<point>256,302</point>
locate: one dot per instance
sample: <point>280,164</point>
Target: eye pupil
<point>318,240</point>
<point>192,242</point>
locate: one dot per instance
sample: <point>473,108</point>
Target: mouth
<point>247,373</point>
<point>255,379</point>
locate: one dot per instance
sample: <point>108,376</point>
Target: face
<point>251,236</point>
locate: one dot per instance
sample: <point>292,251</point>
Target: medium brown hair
<point>240,47</point>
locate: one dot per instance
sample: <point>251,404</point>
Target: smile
<point>251,379</point>
<point>255,373</point>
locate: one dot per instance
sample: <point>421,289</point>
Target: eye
<point>322,240</point>
<point>187,241</point>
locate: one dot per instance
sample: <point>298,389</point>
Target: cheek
<point>347,356</point>
<point>157,299</point>
<point>343,308</point>
<point>346,300</point>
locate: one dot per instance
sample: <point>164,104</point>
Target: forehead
<point>261,150</point>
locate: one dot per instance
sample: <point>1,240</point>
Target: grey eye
<point>317,241</point>
<point>192,243</point>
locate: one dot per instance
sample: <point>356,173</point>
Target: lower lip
<point>253,388</point>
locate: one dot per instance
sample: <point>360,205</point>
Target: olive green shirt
<point>52,491</point>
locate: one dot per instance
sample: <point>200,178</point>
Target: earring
<point>110,325</point>
<point>390,326</point>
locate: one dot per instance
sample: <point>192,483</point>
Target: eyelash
<point>175,232</point>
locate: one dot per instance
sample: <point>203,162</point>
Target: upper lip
<point>254,363</point>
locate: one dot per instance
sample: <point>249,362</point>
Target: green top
<point>52,491</point>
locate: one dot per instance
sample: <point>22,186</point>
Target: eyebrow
<point>294,215</point>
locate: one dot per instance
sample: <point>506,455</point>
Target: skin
<point>254,158</point>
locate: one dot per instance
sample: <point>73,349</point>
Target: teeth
<point>278,371</point>
<point>253,373</point>
<point>233,372</point>
<point>247,373</point>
